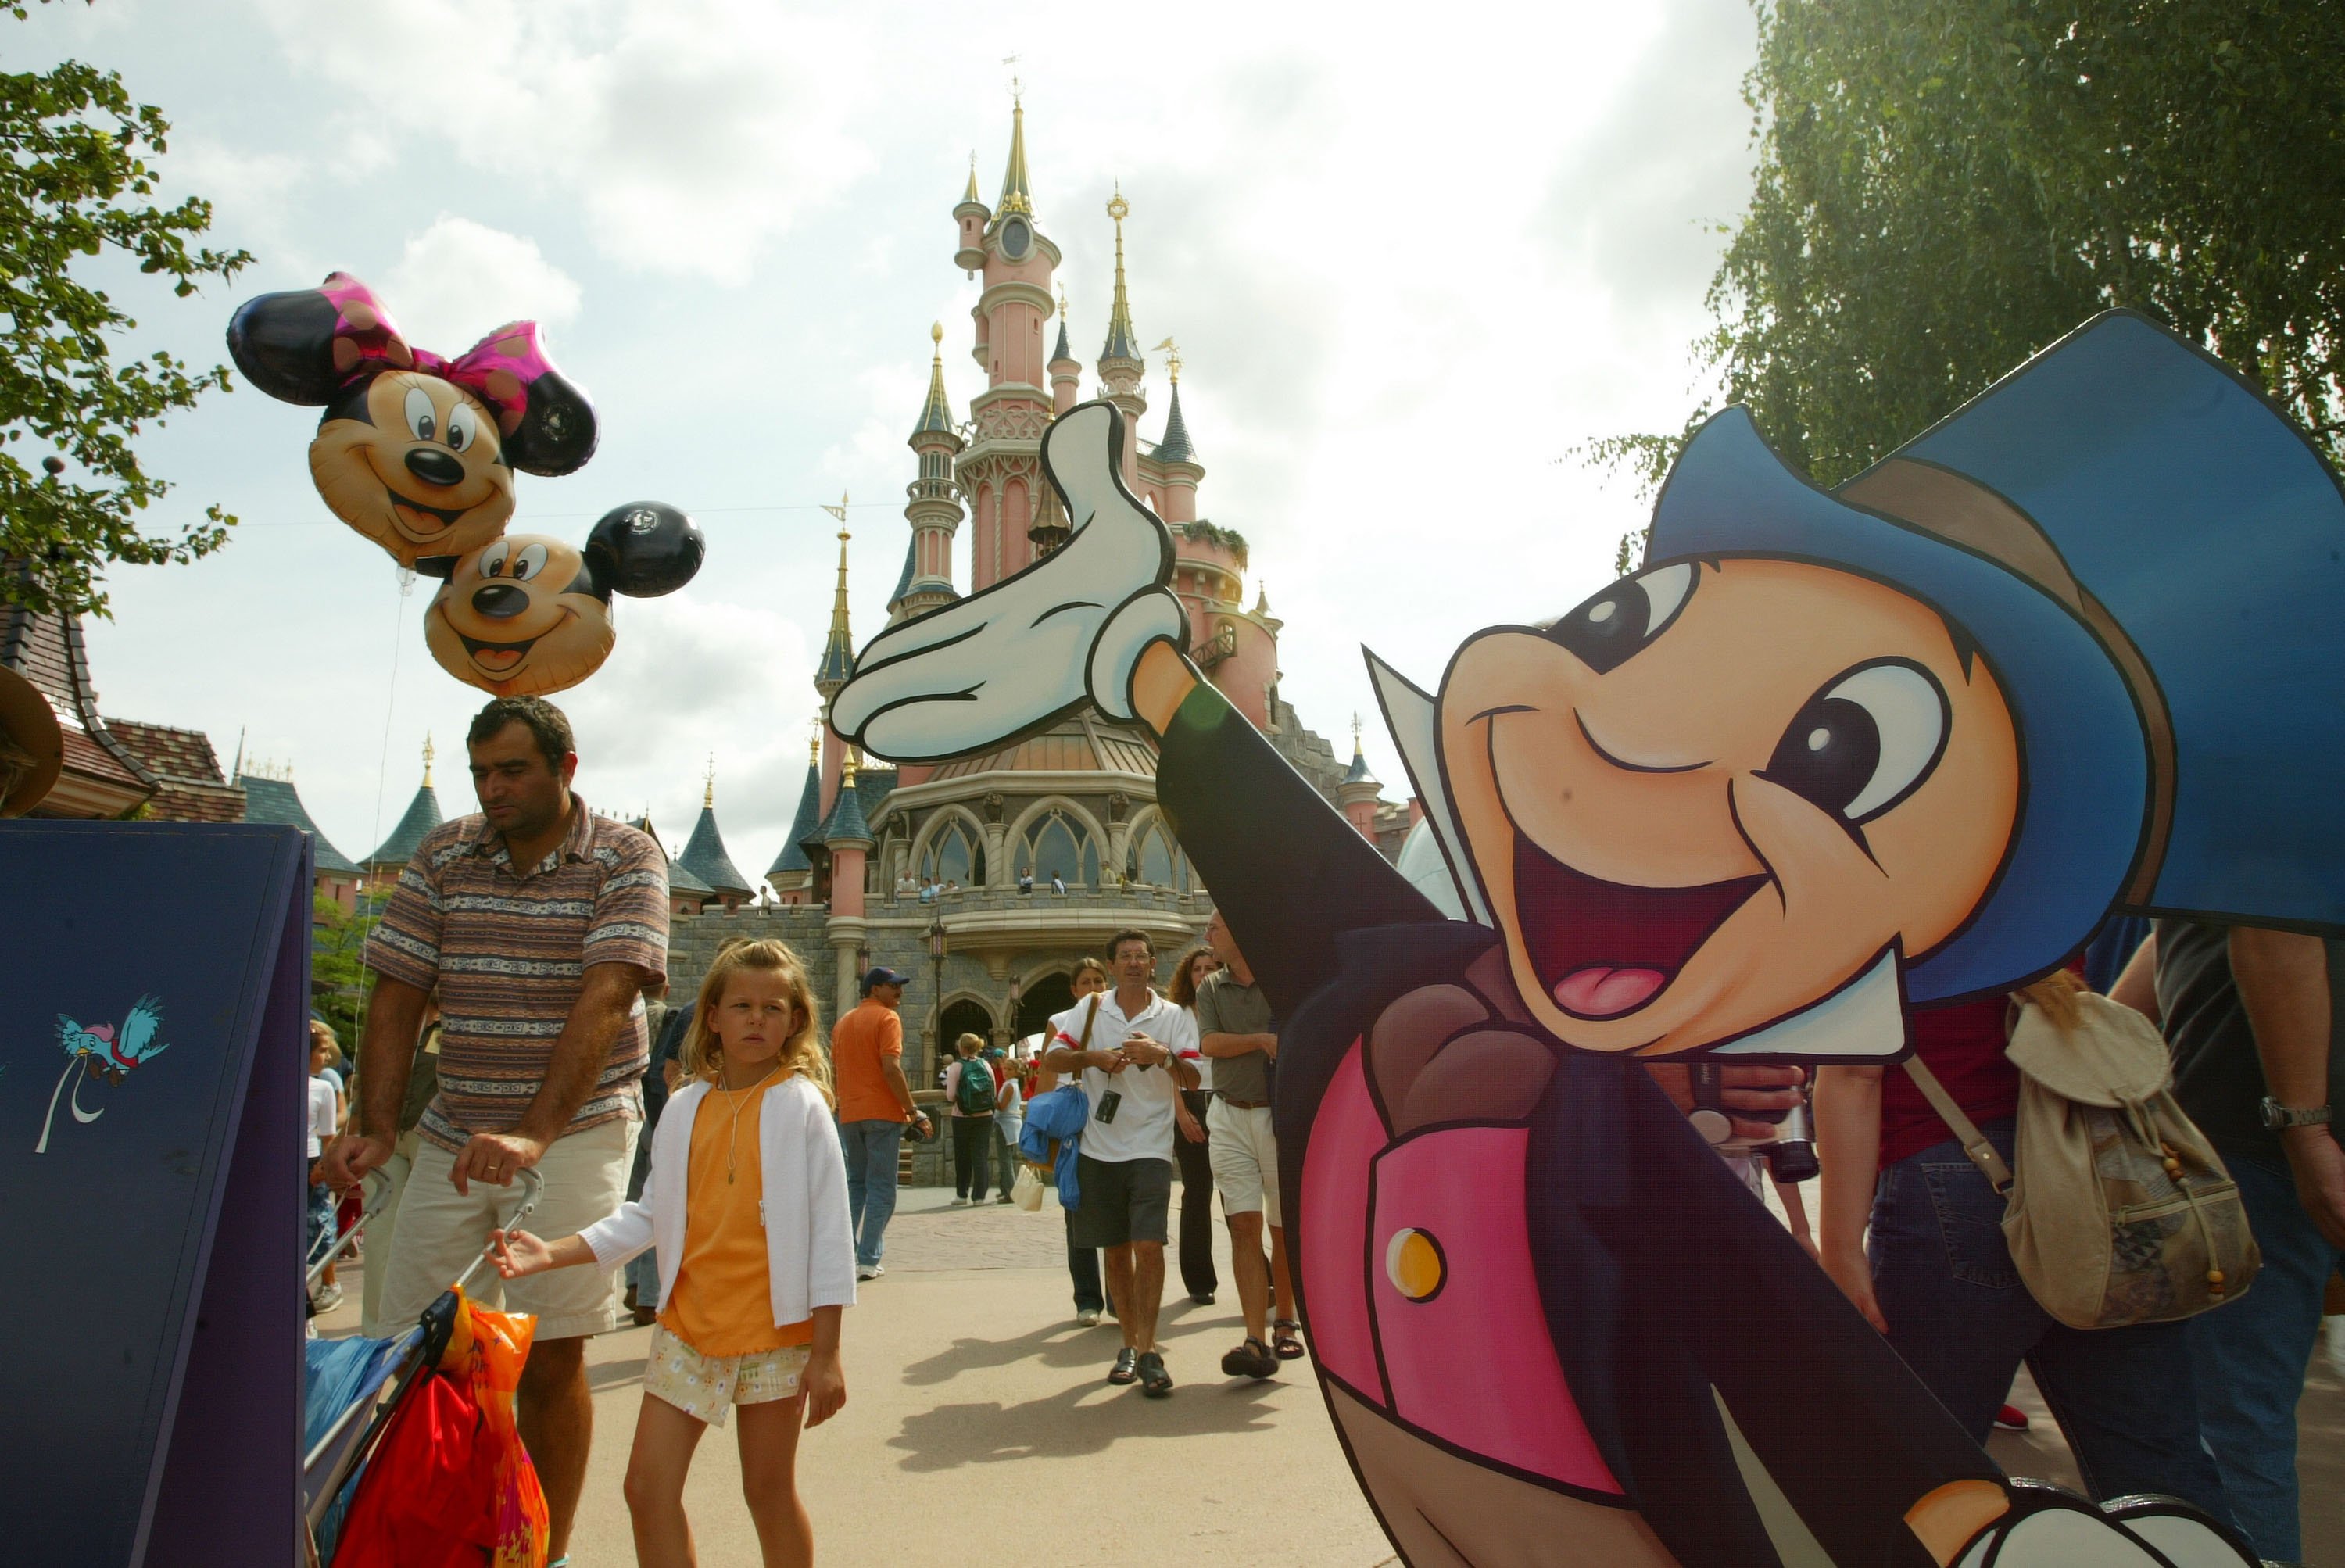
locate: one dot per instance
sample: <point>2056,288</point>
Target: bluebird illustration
<point>1828,756</point>
<point>105,1051</point>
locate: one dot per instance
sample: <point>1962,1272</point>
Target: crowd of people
<point>712,1172</point>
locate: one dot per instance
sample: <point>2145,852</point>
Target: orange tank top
<point>722,1301</point>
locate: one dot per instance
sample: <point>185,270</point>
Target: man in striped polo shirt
<point>539,923</point>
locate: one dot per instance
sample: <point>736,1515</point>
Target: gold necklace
<point>734,1098</point>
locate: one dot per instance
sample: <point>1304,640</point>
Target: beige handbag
<point>2120,1211</point>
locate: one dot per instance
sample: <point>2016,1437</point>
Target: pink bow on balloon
<point>498,369</point>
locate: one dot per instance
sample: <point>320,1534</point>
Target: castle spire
<point>970,194</point>
<point>708,795</point>
<point>1176,446</point>
<point>1122,346</point>
<point>838,649</point>
<point>935,414</point>
<point>1062,354</point>
<point>427,760</point>
<point>1015,197</point>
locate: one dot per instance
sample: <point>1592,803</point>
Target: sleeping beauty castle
<point>1072,808</point>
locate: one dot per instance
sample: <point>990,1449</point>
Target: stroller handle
<point>532,1188</point>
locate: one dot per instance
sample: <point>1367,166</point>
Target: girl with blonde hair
<point>747,1205</point>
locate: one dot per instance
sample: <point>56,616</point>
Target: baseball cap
<point>880,975</point>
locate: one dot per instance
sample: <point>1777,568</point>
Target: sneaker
<point>868,1271</point>
<point>329,1296</point>
<point>1088,1318</point>
<point>2011,1419</point>
<point>959,1203</point>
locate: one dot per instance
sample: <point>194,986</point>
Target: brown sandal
<point>1282,1339</point>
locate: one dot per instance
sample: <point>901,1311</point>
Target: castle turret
<point>1000,470</point>
<point>1066,370</point>
<point>934,509</point>
<point>848,836</point>
<point>1176,457</point>
<point>972,215</point>
<point>791,876</point>
<point>705,854</point>
<point>422,814</point>
<point>838,664</point>
<point>1358,791</point>
<point>1120,364</point>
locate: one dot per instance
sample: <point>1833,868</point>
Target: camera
<point>1790,1154</point>
<point>1107,1105</point>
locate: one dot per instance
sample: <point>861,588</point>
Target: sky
<point>1409,268</point>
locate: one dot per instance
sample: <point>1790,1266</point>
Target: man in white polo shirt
<point>1140,1055</point>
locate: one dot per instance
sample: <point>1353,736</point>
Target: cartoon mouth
<point>497,658</point>
<point>420,520</point>
<point>1603,949</point>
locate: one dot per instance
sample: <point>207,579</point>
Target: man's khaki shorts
<point>441,1231</point>
<point>1243,1151</point>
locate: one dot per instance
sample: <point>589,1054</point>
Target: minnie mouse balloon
<point>527,614</point>
<point>416,451</point>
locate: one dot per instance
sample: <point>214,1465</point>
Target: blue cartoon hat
<point>2152,561</point>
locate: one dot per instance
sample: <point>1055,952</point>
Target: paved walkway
<point>965,1357</point>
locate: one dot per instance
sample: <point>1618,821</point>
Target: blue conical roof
<point>804,826</point>
<point>422,816</point>
<point>847,821</point>
<point>1175,447</point>
<point>703,856</point>
<point>681,879</point>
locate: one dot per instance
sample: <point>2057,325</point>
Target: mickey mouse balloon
<point>527,614</point>
<point>416,451</point>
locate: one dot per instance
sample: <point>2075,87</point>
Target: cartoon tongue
<point>1601,990</point>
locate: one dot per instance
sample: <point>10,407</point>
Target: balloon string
<point>382,772</point>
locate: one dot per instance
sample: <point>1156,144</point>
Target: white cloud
<point>460,279</point>
<point>690,133</point>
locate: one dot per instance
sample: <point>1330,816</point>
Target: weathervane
<point>840,512</point>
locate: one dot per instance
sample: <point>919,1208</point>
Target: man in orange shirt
<point>866,1065</point>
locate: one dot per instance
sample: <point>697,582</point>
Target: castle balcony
<point>996,927</point>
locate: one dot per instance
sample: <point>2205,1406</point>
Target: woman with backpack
<point>1936,1275</point>
<point>974,1093</point>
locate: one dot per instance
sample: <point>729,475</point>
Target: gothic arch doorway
<point>962,1017</point>
<point>1039,1002</point>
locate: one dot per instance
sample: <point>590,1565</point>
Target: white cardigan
<point>810,1254</point>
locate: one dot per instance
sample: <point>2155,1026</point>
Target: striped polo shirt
<point>509,953</point>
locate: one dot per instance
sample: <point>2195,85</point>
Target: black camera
<point>1790,1154</point>
<point>1108,1103</point>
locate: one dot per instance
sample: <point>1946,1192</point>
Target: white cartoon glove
<point>1069,628</point>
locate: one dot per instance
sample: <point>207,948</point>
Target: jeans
<point>870,1148</point>
<point>1962,1320</point>
<point>643,1278</point>
<point>2252,1355</point>
<point>321,1218</point>
<point>1083,1268</point>
<point>1197,1274</point>
<point>972,1157</point>
<point>1005,1150</point>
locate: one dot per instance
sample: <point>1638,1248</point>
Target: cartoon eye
<point>528,563</point>
<point>463,424</point>
<point>1606,630</point>
<point>492,559</point>
<point>1865,742</point>
<point>421,418</point>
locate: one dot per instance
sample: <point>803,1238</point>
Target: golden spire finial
<point>708,796</point>
<point>937,336</point>
<point>1063,301</point>
<point>1172,352</point>
<point>814,745</point>
<point>1015,197</point>
<point>427,760</point>
<point>1120,344</point>
<point>846,767</point>
<point>1355,734</point>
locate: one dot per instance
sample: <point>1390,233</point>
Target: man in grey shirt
<point>1236,1030</point>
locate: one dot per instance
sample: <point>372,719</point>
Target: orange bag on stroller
<point>450,1485</point>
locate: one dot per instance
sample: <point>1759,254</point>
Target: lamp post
<point>1014,993</point>
<point>937,947</point>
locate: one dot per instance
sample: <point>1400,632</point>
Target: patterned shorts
<point>705,1387</point>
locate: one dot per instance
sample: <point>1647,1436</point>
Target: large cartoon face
<point>416,463</point>
<point>1716,792</point>
<point>521,618</point>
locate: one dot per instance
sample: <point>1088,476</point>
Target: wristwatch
<point>2279,1117</point>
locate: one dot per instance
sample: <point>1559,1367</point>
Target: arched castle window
<point>954,855</point>
<point>1057,845</point>
<point>1155,860</point>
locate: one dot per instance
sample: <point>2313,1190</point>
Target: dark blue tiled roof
<point>1175,447</point>
<point>803,826</point>
<point>847,818</point>
<point>904,583</point>
<point>703,856</point>
<point>422,816</point>
<point>276,800</point>
<point>680,880</point>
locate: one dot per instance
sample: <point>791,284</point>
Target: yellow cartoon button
<point>1414,1263</point>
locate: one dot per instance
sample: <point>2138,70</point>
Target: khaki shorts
<point>705,1387</point>
<point>1244,1150</point>
<point>441,1231</point>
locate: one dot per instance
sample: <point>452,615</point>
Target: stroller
<point>358,1389</point>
